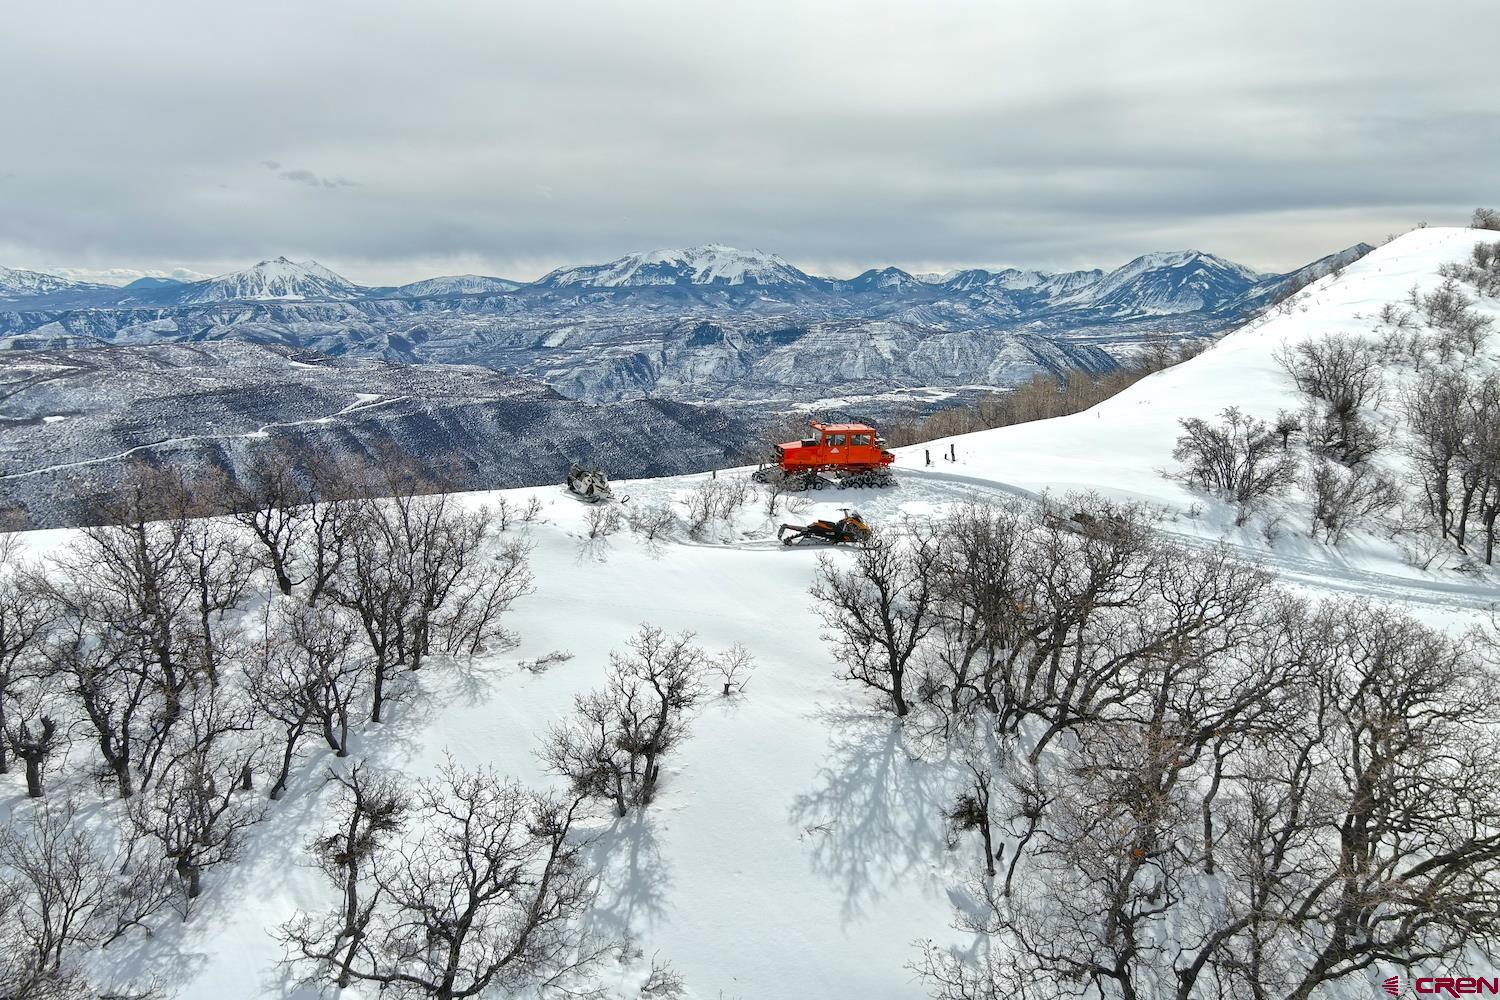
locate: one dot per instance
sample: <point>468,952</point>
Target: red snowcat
<point>840,455</point>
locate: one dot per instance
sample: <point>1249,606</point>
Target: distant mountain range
<point>702,323</point>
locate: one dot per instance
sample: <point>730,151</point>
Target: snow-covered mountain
<point>17,285</point>
<point>1163,284</point>
<point>710,264</point>
<point>273,279</point>
<point>458,284</point>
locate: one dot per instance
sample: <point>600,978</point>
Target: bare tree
<point>1287,424</point>
<point>1341,370</point>
<point>1239,458</point>
<point>416,574</point>
<point>213,562</point>
<point>1485,218</point>
<point>270,504</point>
<point>734,667</point>
<point>1309,766</point>
<point>67,894</point>
<point>26,617</point>
<point>196,811</point>
<point>308,673</point>
<point>613,746</point>
<point>879,610</point>
<point>1435,412</point>
<point>33,741</point>
<point>372,810</point>
<point>377,583</point>
<point>488,897</point>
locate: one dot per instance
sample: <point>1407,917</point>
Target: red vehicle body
<point>851,454</point>
<point>850,447</point>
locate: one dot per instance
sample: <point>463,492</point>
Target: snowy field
<point>796,849</point>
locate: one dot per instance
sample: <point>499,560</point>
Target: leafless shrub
<point>1418,539</point>
<point>1452,314</point>
<point>1482,271</point>
<point>663,982</point>
<point>1485,218</point>
<point>1240,459</point>
<point>612,747</point>
<point>734,667</point>
<point>1350,440</point>
<point>1399,337</point>
<point>546,661</point>
<point>878,611</point>
<point>531,512</point>
<point>62,892</point>
<point>603,520</point>
<point>487,897</point>
<point>715,501</point>
<point>1345,499</point>
<point>654,523</point>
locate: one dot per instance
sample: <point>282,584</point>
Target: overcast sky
<point>397,141</point>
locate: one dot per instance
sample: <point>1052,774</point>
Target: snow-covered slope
<point>274,279</point>
<point>1123,446</point>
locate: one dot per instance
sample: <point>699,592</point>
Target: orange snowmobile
<point>848,529</point>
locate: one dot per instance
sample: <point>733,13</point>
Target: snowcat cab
<point>842,455</point>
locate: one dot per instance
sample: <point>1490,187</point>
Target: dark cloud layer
<point>506,138</point>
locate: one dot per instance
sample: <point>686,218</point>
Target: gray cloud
<point>507,139</point>
<point>307,177</point>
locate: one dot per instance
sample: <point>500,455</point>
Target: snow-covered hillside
<point>1123,446</point>
<point>797,848</point>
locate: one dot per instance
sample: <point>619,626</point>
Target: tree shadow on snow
<point>874,816</point>
<point>633,882</point>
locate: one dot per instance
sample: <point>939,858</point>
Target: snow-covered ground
<point>797,848</point>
